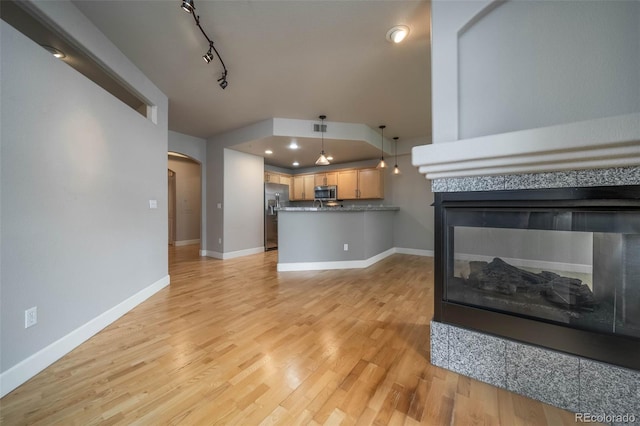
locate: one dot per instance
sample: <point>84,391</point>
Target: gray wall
<point>515,60</point>
<point>320,236</point>
<point>413,224</point>
<point>522,65</point>
<point>215,197</point>
<point>188,198</point>
<point>78,170</point>
<point>244,201</point>
<point>218,183</point>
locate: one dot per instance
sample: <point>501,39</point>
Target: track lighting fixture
<point>381,164</point>
<point>396,169</point>
<point>322,160</point>
<point>222,81</point>
<point>208,57</point>
<point>189,7</point>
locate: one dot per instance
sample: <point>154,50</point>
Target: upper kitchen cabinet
<point>323,179</point>
<point>347,184</point>
<point>370,183</point>
<point>360,184</point>
<point>273,177</point>
<point>303,187</point>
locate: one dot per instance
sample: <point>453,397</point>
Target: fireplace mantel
<point>609,142</point>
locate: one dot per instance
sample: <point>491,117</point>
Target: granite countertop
<point>339,209</point>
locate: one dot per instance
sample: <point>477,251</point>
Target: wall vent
<point>318,127</point>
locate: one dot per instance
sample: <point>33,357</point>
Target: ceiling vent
<point>320,128</point>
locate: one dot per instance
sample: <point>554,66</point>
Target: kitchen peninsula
<point>313,238</point>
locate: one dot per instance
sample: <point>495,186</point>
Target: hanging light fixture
<point>322,160</point>
<point>381,164</point>
<point>396,169</point>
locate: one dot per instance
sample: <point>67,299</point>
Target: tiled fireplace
<point>558,268</point>
<point>537,279</point>
<point>535,166</point>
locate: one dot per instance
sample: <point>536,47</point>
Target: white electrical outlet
<point>219,240</point>
<point>31,317</point>
<point>346,247</point>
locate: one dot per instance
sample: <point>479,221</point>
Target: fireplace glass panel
<point>576,268</point>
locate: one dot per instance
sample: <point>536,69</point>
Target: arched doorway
<point>171,195</point>
<point>186,222</point>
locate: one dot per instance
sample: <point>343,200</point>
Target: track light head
<point>208,57</point>
<point>222,81</point>
<point>188,6</point>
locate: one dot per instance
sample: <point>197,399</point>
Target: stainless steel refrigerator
<point>275,195</point>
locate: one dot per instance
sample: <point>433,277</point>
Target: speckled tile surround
<point>566,381</point>
<point>569,179</point>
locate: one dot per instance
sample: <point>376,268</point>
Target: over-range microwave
<point>326,193</point>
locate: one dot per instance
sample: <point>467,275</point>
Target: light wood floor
<point>235,342</point>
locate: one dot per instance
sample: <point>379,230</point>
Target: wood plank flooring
<point>235,342</point>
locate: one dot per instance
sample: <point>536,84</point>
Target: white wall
<point>79,167</point>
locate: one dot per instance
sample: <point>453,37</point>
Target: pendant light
<point>322,160</point>
<point>396,169</point>
<point>381,164</point>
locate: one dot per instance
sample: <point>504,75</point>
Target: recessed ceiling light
<point>293,145</point>
<point>268,152</point>
<point>397,33</point>
<point>296,164</point>
<point>55,52</point>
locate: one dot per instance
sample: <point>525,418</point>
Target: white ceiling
<point>290,59</point>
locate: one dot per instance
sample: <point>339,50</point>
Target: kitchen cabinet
<point>285,180</point>
<point>281,178</point>
<point>274,177</point>
<point>303,187</point>
<point>323,179</point>
<point>270,177</point>
<point>360,184</point>
<point>370,183</point>
<point>347,184</point>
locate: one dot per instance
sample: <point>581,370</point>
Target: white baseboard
<point>29,367</point>
<point>234,254</point>
<point>529,263</point>
<point>186,242</point>
<point>204,253</point>
<point>415,252</point>
<point>339,264</point>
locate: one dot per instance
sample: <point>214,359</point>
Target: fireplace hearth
<point>555,268</point>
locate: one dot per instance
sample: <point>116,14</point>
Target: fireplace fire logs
<point>500,277</point>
